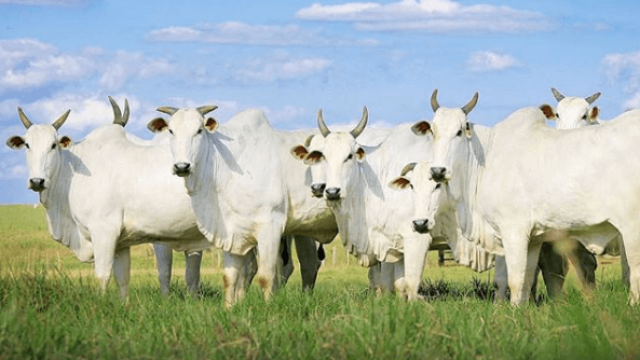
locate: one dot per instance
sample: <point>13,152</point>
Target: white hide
<point>528,183</point>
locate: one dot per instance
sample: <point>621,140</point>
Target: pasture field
<point>50,308</point>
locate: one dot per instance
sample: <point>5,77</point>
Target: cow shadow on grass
<point>435,290</point>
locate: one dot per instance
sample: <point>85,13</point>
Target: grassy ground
<point>50,309</point>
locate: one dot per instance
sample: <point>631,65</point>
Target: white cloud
<point>261,70</point>
<point>625,69</point>
<point>30,64</point>
<point>427,15</point>
<point>233,32</point>
<point>491,61</point>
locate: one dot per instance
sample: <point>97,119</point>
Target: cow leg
<point>585,264</point>
<point>164,261</point>
<point>104,248</point>
<point>554,267</point>
<point>415,252</point>
<point>286,258</point>
<point>234,277</point>
<point>310,262</point>
<point>624,263</point>
<point>522,258</point>
<point>268,250</point>
<point>122,270</point>
<point>387,277</point>
<point>399,279</point>
<point>632,250</point>
<point>375,278</point>
<point>193,261</point>
<point>500,279</point>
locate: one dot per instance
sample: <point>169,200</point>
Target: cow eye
<point>199,131</point>
<point>459,133</point>
<point>170,131</point>
<point>26,145</point>
<point>584,117</point>
<point>53,146</point>
<point>438,186</point>
<point>349,157</point>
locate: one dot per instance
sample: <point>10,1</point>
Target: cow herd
<point>499,196</point>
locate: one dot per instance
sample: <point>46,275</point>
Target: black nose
<point>421,226</point>
<point>36,184</point>
<point>182,168</point>
<point>317,189</point>
<point>438,173</point>
<point>332,193</point>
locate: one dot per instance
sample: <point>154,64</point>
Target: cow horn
<point>167,110</point>
<point>25,121</point>
<point>362,124</point>
<point>203,110</point>
<point>434,100</point>
<point>125,115</point>
<point>471,104</point>
<point>324,130</point>
<point>592,98</point>
<point>117,114</point>
<point>557,94</point>
<point>58,123</point>
<point>407,168</point>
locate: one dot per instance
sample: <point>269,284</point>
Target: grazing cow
<point>244,188</point>
<point>530,183</point>
<point>372,218</point>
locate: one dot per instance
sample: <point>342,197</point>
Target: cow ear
<point>593,115</point>
<point>313,158</point>
<point>548,112</point>
<point>400,183</point>
<point>211,124</point>
<point>360,154</point>
<point>421,128</point>
<point>65,142</point>
<point>299,152</point>
<point>157,125</point>
<point>16,142</point>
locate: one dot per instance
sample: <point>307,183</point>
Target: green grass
<point>54,311</point>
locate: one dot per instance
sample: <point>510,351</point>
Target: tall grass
<point>54,312</point>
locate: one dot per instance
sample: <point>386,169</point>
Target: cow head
<point>187,128</point>
<point>428,194</point>
<point>339,153</point>
<point>318,174</point>
<point>43,147</point>
<point>572,112</point>
<point>450,130</point>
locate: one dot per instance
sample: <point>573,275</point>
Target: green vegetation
<point>50,308</point>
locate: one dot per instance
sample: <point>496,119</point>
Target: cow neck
<point>351,217</point>
<point>55,200</point>
<point>472,223</point>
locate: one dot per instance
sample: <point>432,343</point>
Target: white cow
<point>530,183</point>
<point>244,188</point>
<point>372,218</point>
<point>101,195</point>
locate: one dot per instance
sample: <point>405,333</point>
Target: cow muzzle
<point>332,194</point>
<point>182,169</point>
<point>439,174</point>
<point>317,190</point>
<point>36,184</point>
<point>421,226</point>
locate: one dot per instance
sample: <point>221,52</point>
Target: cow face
<point>317,177</point>
<point>572,112</point>
<point>428,194</point>
<point>43,149</point>
<point>451,131</point>
<point>187,128</point>
<point>340,153</point>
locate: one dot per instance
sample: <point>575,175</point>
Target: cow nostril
<point>182,169</point>
<point>36,184</point>
<point>438,173</point>
<point>318,189</point>
<point>421,225</point>
<point>332,193</point>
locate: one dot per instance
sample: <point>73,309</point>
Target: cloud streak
<point>483,61</point>
<point>428,15</point>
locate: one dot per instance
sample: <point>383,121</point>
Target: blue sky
<point>290,58</point>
